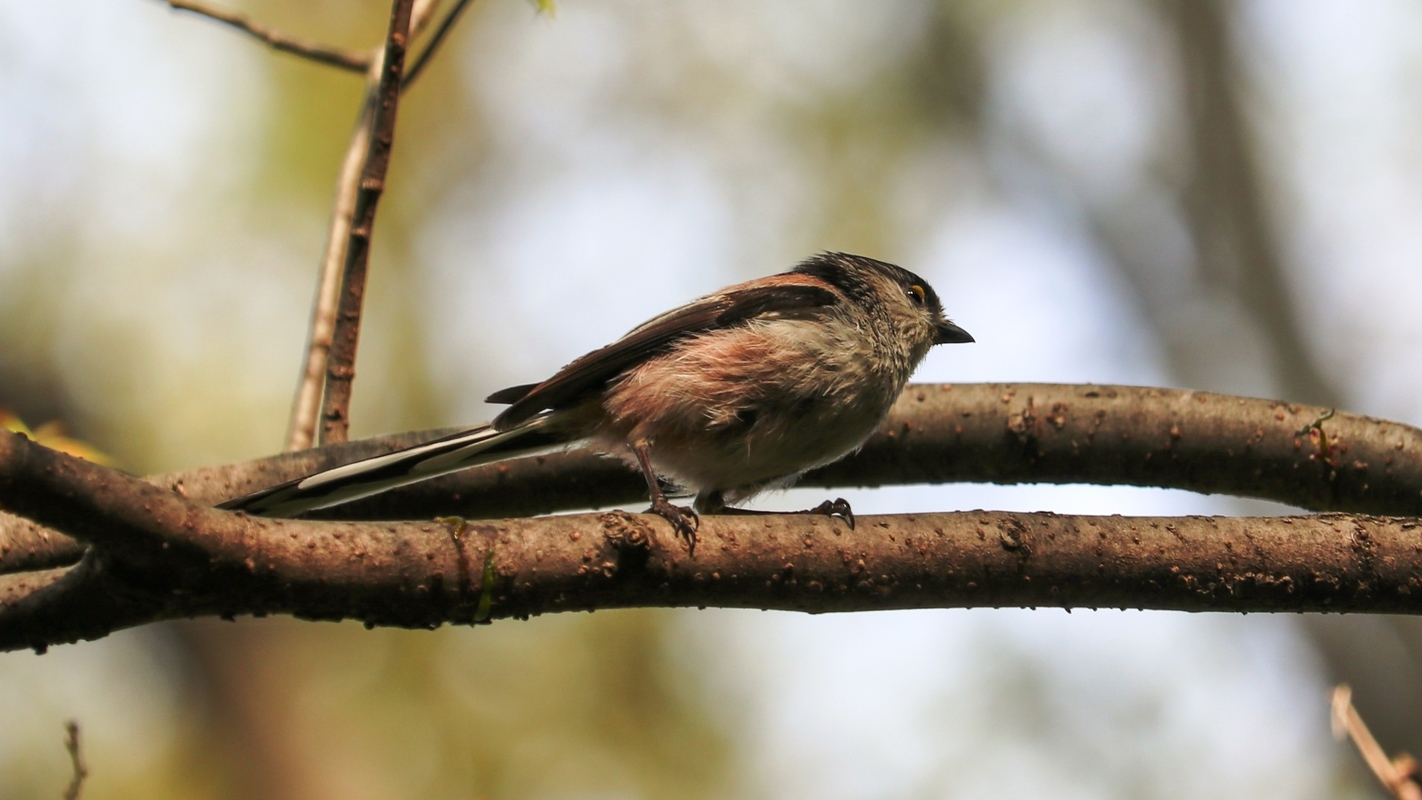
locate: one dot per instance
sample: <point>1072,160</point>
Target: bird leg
<point>715,503</point>
<point>683,519</point>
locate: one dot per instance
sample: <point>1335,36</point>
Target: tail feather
<point>482,445</point>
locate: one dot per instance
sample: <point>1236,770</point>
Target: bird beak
<point>948,333</point>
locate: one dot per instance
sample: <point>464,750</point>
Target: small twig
<point>1395,774</point>
<point>440,34</point>
<point>306,406</point>
<point>353,60</point>
<point>1315,430</point>
<point>71,743</point>
<point>340,364</point>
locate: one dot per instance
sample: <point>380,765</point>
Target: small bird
<point>739,391</point>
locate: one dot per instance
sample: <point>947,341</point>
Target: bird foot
<point>838,507</point>
<point>683,519</point>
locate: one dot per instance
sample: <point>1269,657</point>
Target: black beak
<point>948,333</point>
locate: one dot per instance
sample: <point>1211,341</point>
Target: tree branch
<point>1395,774</point>
<point>340,366</point>
<point>173,558</point>
<point>353,60</point>
<point>306,406</point>
<point>998,433</point>
<point>158,556</point>
<point>76,760</point>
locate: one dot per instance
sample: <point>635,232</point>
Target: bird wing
<point>778,296</point>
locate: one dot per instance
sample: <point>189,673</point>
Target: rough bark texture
<point>155,555</point>
<point>340,360</point>
<point>997,433</point>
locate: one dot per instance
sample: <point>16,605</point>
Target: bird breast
<point>747,407</point>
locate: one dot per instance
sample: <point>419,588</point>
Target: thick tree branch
<point>353,60</point>
<point>157,555</point>
<point>167,557</point>
<point>340,364</point>
<point>999,433</point>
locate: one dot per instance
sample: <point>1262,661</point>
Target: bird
<point>731,394</point>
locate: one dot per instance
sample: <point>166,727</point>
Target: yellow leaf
<point>52,435</point>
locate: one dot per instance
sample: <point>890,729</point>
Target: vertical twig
<point>340,365</point>
<point>306,407</point>
<point>1394,773</point>
<point>76,758</point>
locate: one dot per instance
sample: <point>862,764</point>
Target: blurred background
<point>1195,193</point>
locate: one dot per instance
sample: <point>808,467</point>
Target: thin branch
<point>76,760</point>
<point>310,390</point>
<point>340,366</point>
<point>353,60</point>
<point>440,34</point>
<point>306,406</point>
<point>1395,774</point>
<point>157,556</point>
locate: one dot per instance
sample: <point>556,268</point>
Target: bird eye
<point>916,293</point>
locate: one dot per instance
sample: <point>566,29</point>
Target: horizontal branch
<point>971,433</point>
<point>990,433</point>
<point>353,60</point>
<point>159,556</point>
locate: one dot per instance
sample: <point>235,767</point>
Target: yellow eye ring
<point>918,294</point>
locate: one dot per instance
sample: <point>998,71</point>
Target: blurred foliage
<point>173,338</point>
<point>558,706</point>
<point>53,435</point>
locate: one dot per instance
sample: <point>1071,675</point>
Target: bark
<point>156,555</point>
<point>991,433</point>
<point>345,336</point>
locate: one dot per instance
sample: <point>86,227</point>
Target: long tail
<point>482,445</point>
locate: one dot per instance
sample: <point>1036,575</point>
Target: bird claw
<point>838,507</point>
<point>683,519</point>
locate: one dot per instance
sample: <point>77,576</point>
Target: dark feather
<point>372,475</point>
<point>726,309</point>
<point>513,394</point>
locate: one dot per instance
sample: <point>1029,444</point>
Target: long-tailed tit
<point>739,391</point>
